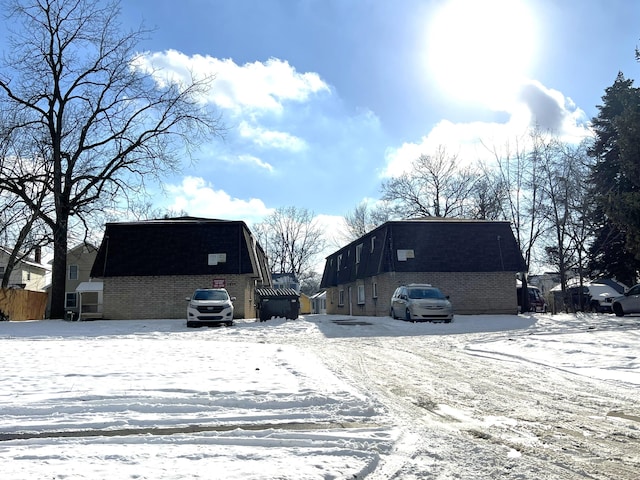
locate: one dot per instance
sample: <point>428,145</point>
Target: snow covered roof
<point>92,286</point>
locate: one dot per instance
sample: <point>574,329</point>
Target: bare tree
<point>73,83</point>
<point>563,173</point>
<point>292,239</point>
<point>22,230</point>
<point>364,218</point>
<point>488,198</point>
<point>514,171</point>
<point>436,186</point>
<point>556,181</point>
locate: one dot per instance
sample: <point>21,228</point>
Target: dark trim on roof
<point>426,245</point>
<point>181,246</point>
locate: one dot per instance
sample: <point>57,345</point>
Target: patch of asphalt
<point>123,432</point>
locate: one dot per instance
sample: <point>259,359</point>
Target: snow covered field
<point>322,397</point>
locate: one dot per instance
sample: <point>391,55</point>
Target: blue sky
<point>324,99</point>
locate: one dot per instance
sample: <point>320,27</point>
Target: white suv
<point>210,306</point>
<point>419,302</point>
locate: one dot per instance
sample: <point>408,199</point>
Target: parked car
<point>419,302</point>
<point>601,297</point>
<point>628,303</point>
<point>210,307</point>
<point>537,303</point>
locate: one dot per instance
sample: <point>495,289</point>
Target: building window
<point>403,255</point>
<point>339,261</point>
<point>1,272</point>
<point>374,290</point>
<point>341,298</point>
<point>71,300</point>
<point>73,272</point>
<point>360,294</point>
<point>358,252</point>
<point>373,244</point>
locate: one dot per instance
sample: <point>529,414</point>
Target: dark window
<point>71,300</point>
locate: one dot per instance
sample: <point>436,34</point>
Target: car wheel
<point>392,314</point>
<point>192,325</point>
<point>407,315</point>
<point>228,324</point>
<point>617,309</point>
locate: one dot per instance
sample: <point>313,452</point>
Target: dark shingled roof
<point>179,246</point>
<point>437,245</point>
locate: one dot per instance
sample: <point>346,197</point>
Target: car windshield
<point>210,295</point>
<point>634,291</point>
<point>417,293</point>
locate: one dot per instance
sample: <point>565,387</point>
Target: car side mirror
<point>233,299</point>
<point>188,299</point>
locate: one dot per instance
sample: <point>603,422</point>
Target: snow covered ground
<point>322,397</point>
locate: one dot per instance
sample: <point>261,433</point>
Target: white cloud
<point>260,86</point>
<point>251,160</point>
<point>199,199</point>
<point>537,105</point>
<point>271,138</point>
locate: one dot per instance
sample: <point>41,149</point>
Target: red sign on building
<point>219,283</point>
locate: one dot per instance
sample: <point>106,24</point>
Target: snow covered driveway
<point>525,397</point>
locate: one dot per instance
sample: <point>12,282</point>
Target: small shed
<point>277,302</point>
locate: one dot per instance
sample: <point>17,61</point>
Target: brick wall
<point>164,297</point>
<point>471,293</point>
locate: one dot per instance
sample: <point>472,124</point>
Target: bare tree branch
<point>74,87</point>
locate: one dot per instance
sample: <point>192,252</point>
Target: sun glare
<point>481,51</point>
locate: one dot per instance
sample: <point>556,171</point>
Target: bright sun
<point>481,51</point>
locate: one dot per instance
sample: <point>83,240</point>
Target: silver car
<point>421,302</point>
<point>628,303</point>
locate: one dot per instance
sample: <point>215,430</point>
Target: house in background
<point>305,304</point>
<point>150,267</point>
<point>285,280</point>
<point>289,281</point>
<point>28,273</point>
<point>474,262</point>
<point>79,263</point>
<point>319,303</point>
<point>78,271</point>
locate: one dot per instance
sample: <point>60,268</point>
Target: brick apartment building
<point>474,262</point>
<point>150,267</point>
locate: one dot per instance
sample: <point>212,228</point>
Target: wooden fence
<point>23,304</point>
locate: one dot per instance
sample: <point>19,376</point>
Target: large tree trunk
<point>59,271</point>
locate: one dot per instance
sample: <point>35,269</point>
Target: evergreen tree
<point>616,180</point>
<point>609,255</point>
